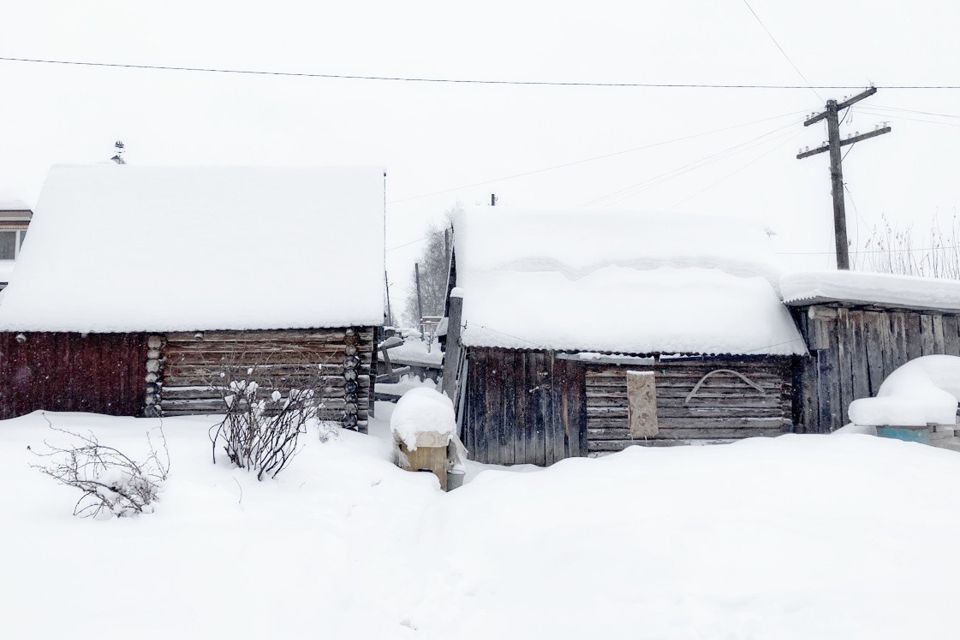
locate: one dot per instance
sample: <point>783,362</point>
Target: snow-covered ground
<point>798,537</point>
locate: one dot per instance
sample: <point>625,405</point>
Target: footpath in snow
<point>797,537</point>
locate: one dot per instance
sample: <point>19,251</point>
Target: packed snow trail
<point>833,537</point>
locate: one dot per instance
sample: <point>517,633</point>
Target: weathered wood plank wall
<point>724,406</point>
<point>854,349</point>
<point>522,407</point>
<point>342,358</point>
<point>535,407</point>
<point>100,373</point>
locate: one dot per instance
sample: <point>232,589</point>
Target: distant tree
<point>892,248</point>
<point>433,263</point>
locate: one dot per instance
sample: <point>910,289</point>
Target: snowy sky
<point>437,137</point>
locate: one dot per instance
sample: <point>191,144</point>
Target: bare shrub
<point>110,481</point>
<point>264,419</point>
<point>893,249</point>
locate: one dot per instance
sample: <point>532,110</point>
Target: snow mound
<point>923,391</point>
<point>870,288</point>
<point>423,414</point>
<point>128,248</point>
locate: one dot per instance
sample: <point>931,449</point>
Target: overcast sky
<point>438,137</point>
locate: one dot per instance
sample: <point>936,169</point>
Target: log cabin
<point>140,285</point>
<point>573,333</point>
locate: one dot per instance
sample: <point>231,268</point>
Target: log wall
<point>100,373</point>
<point>190,363</point>
<point>724,407</point>
<point>854,349</point>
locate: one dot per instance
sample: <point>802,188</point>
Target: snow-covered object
<point>870,288</point>
<point>423,417</point>
<point>415,350</point>
<point>923,391</point>
<point>620,282</point>
<point>127,248</point>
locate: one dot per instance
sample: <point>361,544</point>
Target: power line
<point>777,145</point>
<point>475,81</point>
<point>667,175</point>
<point>897,117</point>
<point>590,159</point>
<point>925,113</point>
<point>407,244</point>
<point>781,50</point>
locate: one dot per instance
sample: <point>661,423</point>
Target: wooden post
<point>451,359</point>
<point>416,271</point>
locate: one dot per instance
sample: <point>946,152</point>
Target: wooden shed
<point>581,332</point>
<point>859,328</point>
<point>141,285</point>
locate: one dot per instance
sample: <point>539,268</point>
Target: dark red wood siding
<point>100,373</point>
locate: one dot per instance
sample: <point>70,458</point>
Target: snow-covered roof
<point>615,281</point>
<point>878,289</point>
<point>6,268</point>
<point>125,248</point>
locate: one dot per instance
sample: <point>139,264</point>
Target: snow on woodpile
<point>871,288</point>
<point>423,412</point>
<point>621,282</point>
<point>127,248</point>
<point>923,391</point>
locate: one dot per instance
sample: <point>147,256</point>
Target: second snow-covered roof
<point>617,281</point>
<point>876,289</point>
<point>118,248</point>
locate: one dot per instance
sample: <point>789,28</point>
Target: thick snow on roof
<point>576,242</point>
<point>870,288</point>
<point>619,282</point>
<point>127,248</point>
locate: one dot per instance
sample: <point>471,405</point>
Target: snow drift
<point>796,537</point>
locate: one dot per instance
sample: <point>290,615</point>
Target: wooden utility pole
<point>386,283</point>
<point>832,116</point>
<point>416,271</point>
